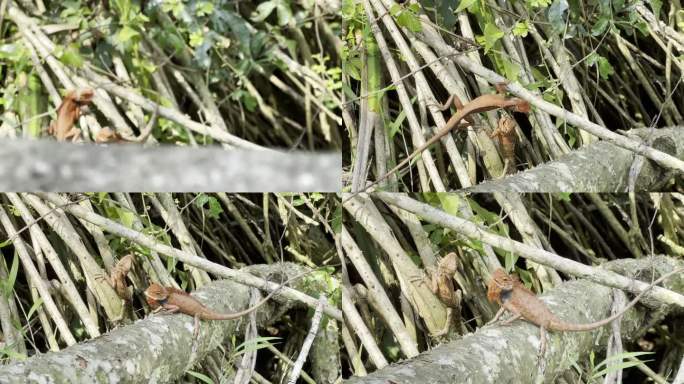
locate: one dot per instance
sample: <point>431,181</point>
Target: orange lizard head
<point>523,106</point>
<point>500,281</point>
<point>82,96</point>
<point>126,262</point>
<point>448,264</point>
<point>155,295</point>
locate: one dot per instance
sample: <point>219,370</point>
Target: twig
<point>306,346</point>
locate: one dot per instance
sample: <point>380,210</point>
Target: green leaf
<point>34,307</point>
<point>11,51</point>
<point>250,102</point>
<point>572,137</point>
<point>71,56</point>
<point>215,208</point>
<point>525,277</point>
<point>605,68</point>
<point>436,236</point>
<point>8,284</point>
<point>556,14</point>
<point>521,28</point>
<point>409,20</point>
<point>127,218</point>
<point>204,8</point>
<point>202,377</point>
<point>263,11</point>
<point>196,39</point>
<point>394,126</point>
<point>464,4</point>
<point>336,222</point>
<point>620,365</point>
<point>485,216</point>
<point>414,7</point>
<point>173,6</point>
<point>284,14</point>
<point>511,70</point>
<point>201,199</point>
<point>642,27</point>
<point>656,5</point>
<point>492,34</point>
<point>600,25</point>
<point>510,260</point>
<point>144,64</point>
<point>254,344</point>
<point>348,9</point>
<point>126,34</point>
<point>451,203</point>
<point>7,351</point>
<point>621,356</point>
<point>539,3</point>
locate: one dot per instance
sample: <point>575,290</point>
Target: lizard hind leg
<point>541,363</point>
<point>447,325</point>
<point>195,333</point>
<point>542,342</point>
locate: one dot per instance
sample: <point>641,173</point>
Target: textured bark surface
<point>600,167</point>
<point>42,165</point>
<point>158,348</point>
<point>508,354</point>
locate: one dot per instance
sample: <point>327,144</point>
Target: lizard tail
<point>564,326</point>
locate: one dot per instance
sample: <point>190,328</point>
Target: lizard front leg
<point>496,317</point>
<point>513,318</point>
<point>74,134</point>
<point>168,309</point>
<point>104,277</point>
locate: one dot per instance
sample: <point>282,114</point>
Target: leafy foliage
<point>216,49</point>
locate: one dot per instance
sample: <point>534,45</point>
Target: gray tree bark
<point>508,353</point>
<point>600,167</point>
<point>43,165</point>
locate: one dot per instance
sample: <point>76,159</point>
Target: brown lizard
<point>441,283</point>
<point>480,104</point>
<point>68,113</point>
<point>174,300</point>
<point>441,280</point>
<point>505,132</point>
<point>117,276</point>
<point>513,296</point>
